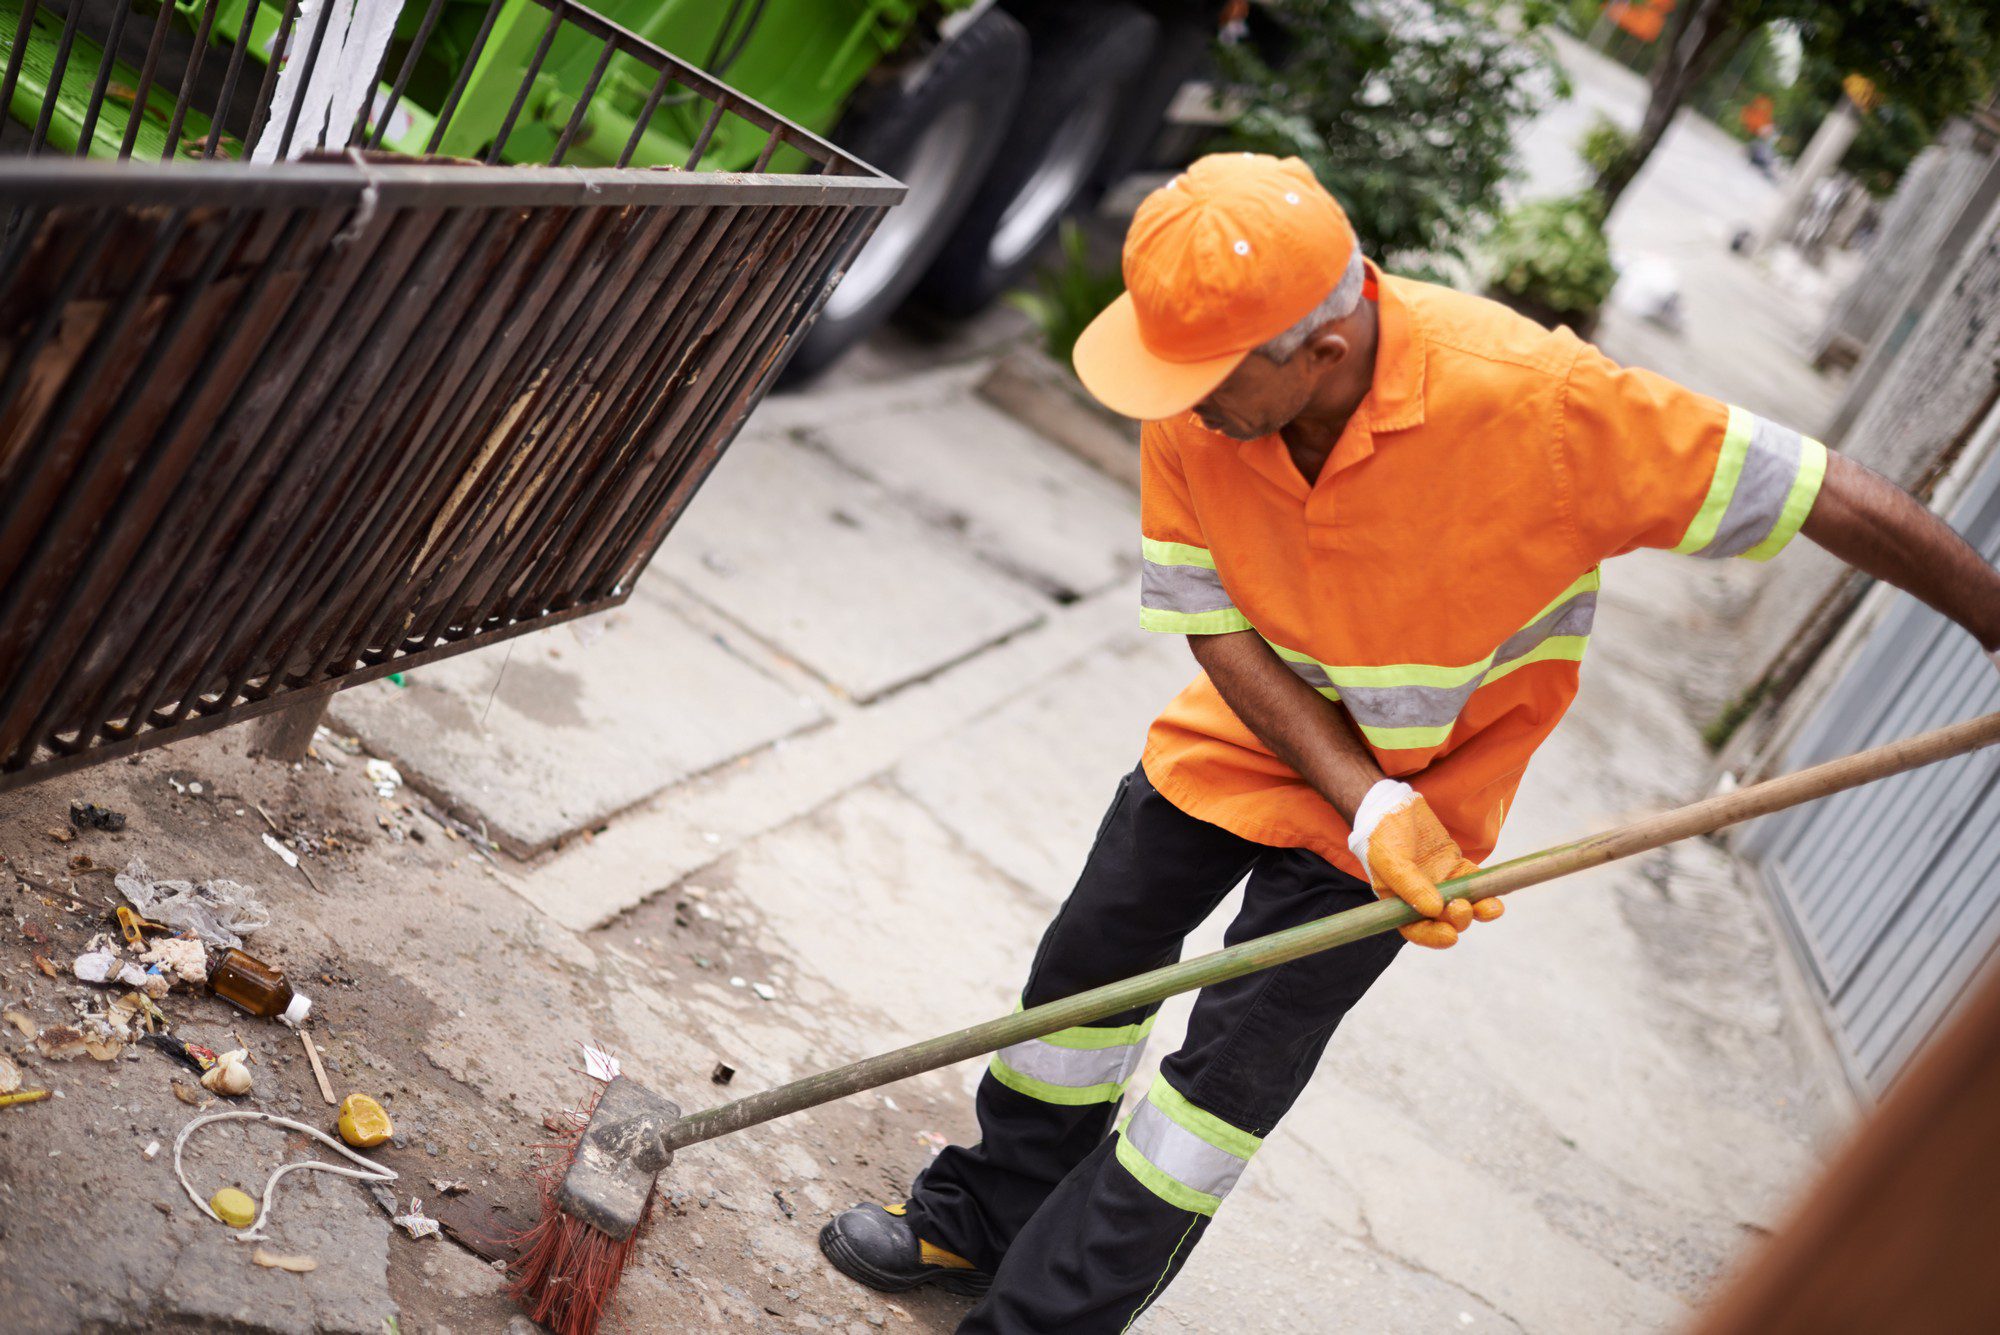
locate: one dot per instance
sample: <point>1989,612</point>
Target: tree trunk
<point>1699,37</point>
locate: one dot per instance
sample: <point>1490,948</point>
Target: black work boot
<point>877,1246</point>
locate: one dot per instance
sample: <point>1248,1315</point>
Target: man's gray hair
<point>1337,305</point>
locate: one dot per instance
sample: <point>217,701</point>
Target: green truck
<point>1001,115</point>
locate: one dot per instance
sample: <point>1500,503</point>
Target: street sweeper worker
<point>1377,509</point>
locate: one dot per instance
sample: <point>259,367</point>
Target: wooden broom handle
<point>1703,817</point>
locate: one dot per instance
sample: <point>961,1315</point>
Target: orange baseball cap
<point>1221,259</point>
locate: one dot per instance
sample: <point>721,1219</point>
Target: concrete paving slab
<point>677,832</point>
<point>1022,503</point>
<point>831,571</point>
<point>581,724</point>
<point>1026,784</point>
<point>846,891</point>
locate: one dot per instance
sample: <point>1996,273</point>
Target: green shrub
<point>1405,109</point>
<point>1068,294</point>
<point>1579,17</point>
<point>1553,253</point>
<point>1602,144</point>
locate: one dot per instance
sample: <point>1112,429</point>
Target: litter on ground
<point>415,1222</point>
<point>360,1169</point>
<point>90,816</point>
<point>220,912</point>
<point>385,777</point>
<point>290,858</point>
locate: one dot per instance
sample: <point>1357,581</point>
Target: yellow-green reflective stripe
<point>1186,1156</point>
<point>1090,1038</point>
<point>1175,553</point>
<point>1405,674</point>
<point>1559,648</point>
<point>1174,1193</point>
<point>1408,739</point>
<point>1220,622</point>
<point>1590,581</point>
<point>1065,1095</point>
<point>1227,1138</point>
<point>1427,674</point>
<point>1728,468</point>
<point>1567,648</point>
<point>1079,1065</point>
<point>1798,503</point>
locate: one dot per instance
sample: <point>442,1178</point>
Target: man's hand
<point>1397,837</point>
<point>1406,852</point>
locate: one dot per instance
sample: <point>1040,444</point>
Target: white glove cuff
<point>1386,796</point>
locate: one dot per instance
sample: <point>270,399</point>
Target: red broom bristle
<point>568,1270</point>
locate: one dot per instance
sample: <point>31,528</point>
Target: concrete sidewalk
<point>815,791</point>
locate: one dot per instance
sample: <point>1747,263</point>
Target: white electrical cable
<point>370,1171</point>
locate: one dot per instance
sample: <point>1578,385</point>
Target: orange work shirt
<point>1438,578</point>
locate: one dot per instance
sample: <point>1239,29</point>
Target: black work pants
<point>1083,1228</point>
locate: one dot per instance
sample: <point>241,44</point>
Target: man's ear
<point>1329,346</point>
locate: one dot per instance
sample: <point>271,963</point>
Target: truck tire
<point>1185,51</point>
<point>1086,61</point>
<point>936,136</point>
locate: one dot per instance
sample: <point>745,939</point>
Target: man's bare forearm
<point>1877,527</point>
<point>1302,727</point>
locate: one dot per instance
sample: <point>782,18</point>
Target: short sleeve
<point>1655,465</point>
<point>1180,590</point>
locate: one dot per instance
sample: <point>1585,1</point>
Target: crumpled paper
<point>416,1223</point>
<point>181,957</point>
<point>221,913</point>
<point>105,966</point>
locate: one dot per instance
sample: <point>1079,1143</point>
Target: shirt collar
<point>1396,398</point>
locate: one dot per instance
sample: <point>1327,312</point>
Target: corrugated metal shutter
<point>1892,891</point>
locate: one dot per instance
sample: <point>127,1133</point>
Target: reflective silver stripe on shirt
<point>1074,1068</point>
<point>1574,617</point>
<point>1770,466</point>
<point>1435,706</point>
<point>1181,1154</point>
<point>1310,672</point>
<point>1185,589</point>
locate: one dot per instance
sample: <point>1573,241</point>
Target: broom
<point>595,1207</point>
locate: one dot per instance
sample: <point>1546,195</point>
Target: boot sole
<point>965,1283</point>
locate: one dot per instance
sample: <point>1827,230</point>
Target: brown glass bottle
<point>252,985</point>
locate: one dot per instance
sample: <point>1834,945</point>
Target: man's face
<point>1260,396</point>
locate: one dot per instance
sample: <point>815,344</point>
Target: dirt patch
<point>444,995</point>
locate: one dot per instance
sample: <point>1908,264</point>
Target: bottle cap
<point>296,1012</point>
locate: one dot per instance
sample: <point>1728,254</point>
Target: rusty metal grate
<point>267,431</point>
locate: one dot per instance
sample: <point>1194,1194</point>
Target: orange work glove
<point>1406,852</point>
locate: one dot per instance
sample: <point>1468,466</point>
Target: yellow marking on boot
<point>898,1210</point>
<point>931,1255</point>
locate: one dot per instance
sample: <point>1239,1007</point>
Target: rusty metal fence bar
<point>267,431</point>
<point>489,416</point>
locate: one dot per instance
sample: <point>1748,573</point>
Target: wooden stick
<point>319,1072</point>
<point>1704,817</point>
